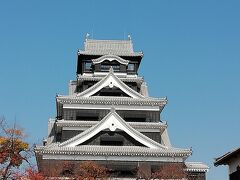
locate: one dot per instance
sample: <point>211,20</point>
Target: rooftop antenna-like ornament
<point>112,110</point>
<point>87,36</point>
<point>111,70</point>
<point>129,37</point>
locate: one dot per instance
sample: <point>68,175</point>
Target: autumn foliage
<point>13,150</point>
<point>86,170</point>
<point>170,171</point>
<point>28,174</point>
<point>91,170</point>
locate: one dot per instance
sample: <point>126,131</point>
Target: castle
<point>108,117</point>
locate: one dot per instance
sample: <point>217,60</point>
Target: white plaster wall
<point>233,165</point>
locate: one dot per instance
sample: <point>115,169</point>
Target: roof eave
<point>71,151</point>
<point>224,159</point>
<point>134,54</point>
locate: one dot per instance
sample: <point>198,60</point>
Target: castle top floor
<point>99,56</point>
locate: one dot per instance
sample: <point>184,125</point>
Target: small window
<point>106,67</point>
<point>116,67</point>
<point>131,67</point>
<point>88,66</point>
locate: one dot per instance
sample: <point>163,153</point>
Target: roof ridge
<point>91,39</point>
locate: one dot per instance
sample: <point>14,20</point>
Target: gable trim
<point>111,80</point>
<point>110,58</point>
<point>113,122</point>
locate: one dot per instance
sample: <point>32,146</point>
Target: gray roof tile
<point>104,47</point>
<point>196,167</point>
<point>113,150</point>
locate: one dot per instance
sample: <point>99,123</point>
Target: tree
<point>91,170</point>
<point>170,171</point>
<point>60,169</point>
<point>75,170</point>
<point>13,150</point>
<point>195,176</point>
<point>29,174</point>
<point>144,171</point>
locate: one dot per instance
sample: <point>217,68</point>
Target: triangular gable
<point>111,121</point>
<point>111,80</point>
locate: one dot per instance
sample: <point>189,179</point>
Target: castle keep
<point>108,117</point>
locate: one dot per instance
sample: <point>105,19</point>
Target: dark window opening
<point>133,85</point>
<point>58,137</point>
<point>135,119</point>
<point>111,143</point>
<point>105,66</point>
<point>87,66</point>
<point>107,138</point>
<point>87,118</point>
<point>131,67</point>
<point>116,67</point>
<point>111,92</point>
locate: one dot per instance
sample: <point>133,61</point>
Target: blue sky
<point>191,55</point>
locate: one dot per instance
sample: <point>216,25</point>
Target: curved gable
<point>110,58</point>
<point>111,121</point>
<point>110,81</point>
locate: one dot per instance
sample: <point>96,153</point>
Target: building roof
<point>112,121</point>
<point>137,125</point>
<point>95,150</point>
<point>110,58</point>
<point>73,99</point>
<point>98,78</point>
<point>196,167</point>
<point>224,159</point>
<point>110,80</point>
<point>104,47</point>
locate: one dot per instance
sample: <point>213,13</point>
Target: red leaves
<point>90,169</point>
<point>34,175</point>
<point>170,171</point>
<point>29,174</point>
<point>81,171</point>
<point>13,150</point>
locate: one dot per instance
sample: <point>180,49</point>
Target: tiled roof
<point>110,58</point>
<point>111,80</point>
<point>196,167</point>
<point>128,79</point>
<point>224,159</point>
<point>104,47</point>
<point>71,99</point>
<point>112,121</point>
<point>88,124</point>
<point>113,150</point>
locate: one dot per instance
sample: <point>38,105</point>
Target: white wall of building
<point>233,164</point>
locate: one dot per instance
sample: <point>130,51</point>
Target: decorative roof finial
<point>87,36</point>
<point>111,69</point>
<point>129,37</point>
<point>112,109</point>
